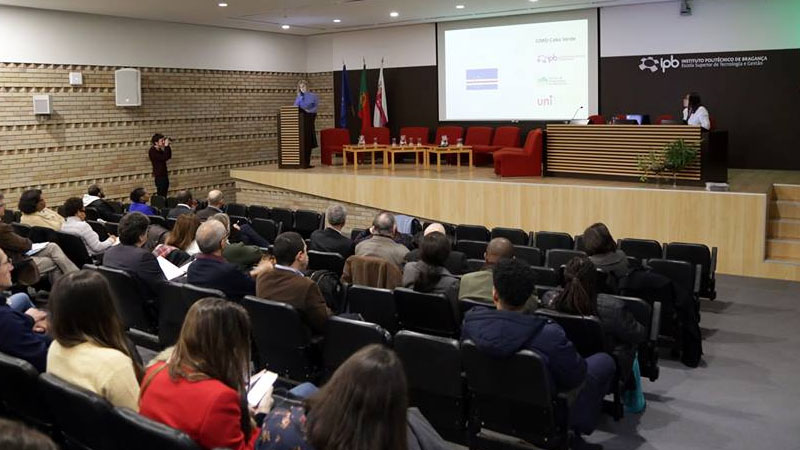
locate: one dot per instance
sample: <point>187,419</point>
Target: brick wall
<point>219,120</point>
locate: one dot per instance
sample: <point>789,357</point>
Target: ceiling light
<point>533,1</point>
<point>285,27</point>
<point>459,6</point>
<point>337,20</point>
<point>394,14</point>
<point>222,4</point>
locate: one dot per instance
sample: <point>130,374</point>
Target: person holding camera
<point>160,153</point>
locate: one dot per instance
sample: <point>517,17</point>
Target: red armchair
<point>597,119</point>
<point>511,162</point>
<point>664,117</point>
<point>453,134</point>
<point>478,137</point>
<point>503,137</point>
<point>415,133</point>
<point>382,133</point>
<point>331,142</point>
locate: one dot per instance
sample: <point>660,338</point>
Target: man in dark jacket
<point>132,258</point>
<point>186,204</point>
<point>507,330</point>
<point>331,238</point>
<point>95,198</point>
<point>160,152</point>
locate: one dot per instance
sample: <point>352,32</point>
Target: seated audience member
<point>456,262</point>
<point>362,407</point>
<point>430,275</point>
<point>21,333</point>
<point>602,250</point>
<point>331,238</point>
<point>76,225</point>
<point>49,260</point>
<point>216,203</point>
<point>240,254</point>
<point>132,258</point>
<point>210,270</point>
<point>95,198</point>
<point>286,282</point>
<point>17,436</point>
<point>180,244</point>
<point>382,244</point>
<point>90,349</point>
<point>186,204</point>
<point>507,330</point>
<point>200,389</point>
<point>479,285</point>
<point>580,297</point>
<point>139,199</point>
<point>35,213</point>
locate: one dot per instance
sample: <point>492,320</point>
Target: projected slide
<point>532,71</point>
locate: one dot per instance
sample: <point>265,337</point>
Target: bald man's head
<point>434,228</point>
<point>384,224</point>
<point>216,198</point>
<point>499,248</point>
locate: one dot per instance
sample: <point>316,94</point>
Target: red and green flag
<point>363,101</point>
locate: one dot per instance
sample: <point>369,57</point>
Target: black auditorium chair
<point>73,247</point>
<point>158,201</point>
<point>266,228</point>
<point>546,276</point>
<point>465,304</point>
<point>174,301</point>
<point>325,261</point>
<point>541,289</point>
<point>356,232</point>
<point>698,254</point>
<point>134,431</point>
<point>530,255</point>
<point>21,229</point>
<point>579,243</point>
<point>683,274</point>
<point>159,220</point>
<point>435,382</point>
<point>236,209</point>
<point>112,228</point>
<point>172,202</point>
<point>91,213</point>
<point>427,313</point>
<point>473,249</point>
<point>284,217</point>
<point>82,417</point>
<point>283,342</point>
<point>641,249</point>
<point>343,337</point>
<point>20,396</point>
<point>547,240</point>
<point>170,223</point>
<point>515,235</point>
<point>257,212</point>
<point>42,234</point>
<point>117,206</point>
<point>472,233</point>
<point>131,305</point>
<point>374,304</point>
<point>474,264</point>
<point>650,317</point>
<point>98,228</point>
<point>306,222</point>
<point>8,216</point>
<point>558,257</point>
<point>513,396</point>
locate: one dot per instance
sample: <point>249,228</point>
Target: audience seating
<point>91,213</point>
<point>112,228</point>
<point>175,299</point>
<point>172,202</point>
<point>435,383</point>
<point>513,396</point>
<point>558,257</point>
<point>257,212</point>
<point>20,395</point>
<point>546,276</point>
<point>158,220</point>
<point>374,304</point>
<point>683,274</point>
<point>548,240</point>
<point>343,337</point>
<point>472,233</point>
<point>21,229</point>
<point>531,255</point>
<point>306,222</point>
<point>474,264</point>
<point>449,229</point>
<point>473,249</point>
<point>169,223</point>
<point>132,431</point>
<point>525,162</point>
<point>236,209</point>
<point>465,304</point>
<point>650,317</point>
<point>331,142</point>
<point>579,244</point>
<point>98,228</point>
<point>284,217</point>
<point>325,261</point>
<point>42,234</point>
<point>9,216</point>
<point>283,342</point>
<point>503,137</point>
<point>427,313</point>
<point>356,232</point>
<point>73,247</point>
<point>266,228</point>
<point>82,417</point>
<point>698,254</point>
<point>158,201</point>
<point>641,249</point>
<point>515,235</point>
<point>380,135</point>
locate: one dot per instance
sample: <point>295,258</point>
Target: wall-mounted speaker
<point>41,104</point>
<point>128,87</point>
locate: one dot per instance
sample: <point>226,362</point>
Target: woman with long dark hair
<point>90,348</point>
<point>694,113</point>
<point>602,250</point>
<point>429,274</point>
<point>201,388</point>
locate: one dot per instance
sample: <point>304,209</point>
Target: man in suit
<point>456,262</point>
<point>331,238</point>
<point>382,244</point>
<point>95,198</point>
<point>186,204</point>
<point>478,285</point>
<point>287,284</point>
<point>210,270</point>
<point>216,202</point>
<point>132,258</point>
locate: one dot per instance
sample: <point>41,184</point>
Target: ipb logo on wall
<point>654,64</point>
<point>661,64</point>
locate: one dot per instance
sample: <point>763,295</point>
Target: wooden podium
<point>293,151</point>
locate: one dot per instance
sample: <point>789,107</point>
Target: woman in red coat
<point>201,389</point>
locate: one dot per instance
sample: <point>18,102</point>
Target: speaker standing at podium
<point>308,102</point>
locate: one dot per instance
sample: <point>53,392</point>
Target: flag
<point>381,116</point>
<point>363,100</point>
<point>346,104</point>
<point>481,79</point>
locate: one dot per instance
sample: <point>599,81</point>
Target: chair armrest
<point>698,274</point>
<point>713,269</point>
<point>655,322</point>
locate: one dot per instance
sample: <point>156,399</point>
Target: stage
<point>735,222</point>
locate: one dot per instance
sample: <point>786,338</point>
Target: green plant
<point>674,157</point>
<point>650,163</point>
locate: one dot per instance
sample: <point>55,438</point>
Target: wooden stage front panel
<point>733,222</point>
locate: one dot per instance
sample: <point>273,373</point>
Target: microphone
<point>576,113</point>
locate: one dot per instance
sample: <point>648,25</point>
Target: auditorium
<point>386,224</point>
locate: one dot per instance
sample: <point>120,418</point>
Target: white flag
<point>381,115</point>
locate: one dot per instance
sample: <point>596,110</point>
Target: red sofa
<point>331,142</point>
<point>503,137</point>
<point>524,162</point>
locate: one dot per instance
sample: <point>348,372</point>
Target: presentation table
<point>356,149</point>
<point>457,150</point>
<point>612,151</point>
<point>404,149</point>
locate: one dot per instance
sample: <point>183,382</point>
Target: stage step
<point>783,249</point>
<point>784,209</point>
<point>783,228</point>
<point>788,192</point>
